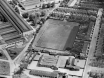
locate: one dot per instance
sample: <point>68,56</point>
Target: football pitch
<point>58,35</point>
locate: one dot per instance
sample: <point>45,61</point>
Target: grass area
<point>14,51</point>
<point>2,55</point>
<point>57,34</point>
<point>71,38</point>
<point>4,68</point>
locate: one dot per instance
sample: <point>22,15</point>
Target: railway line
<point>9,33</point>
<point>19,22</point>
<point>12,31</point>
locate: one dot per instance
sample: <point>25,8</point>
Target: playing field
<point>56,34</point>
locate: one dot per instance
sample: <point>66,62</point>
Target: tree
<point>68,48</point>
<point>43,20</point>
<point>43,6</point>
<point>34,22</point>
<point>15,2</point>
<point>1,54</point>
<point>48,5</point>
<point>37,15</point>
<point>76,51</point>
<point>25,15</point>
<point>32,17</point>
<point>20,5</point>
<point>42,14</point>
<point>19,71</point>
<point>2,18</point>
<point>52,4</point>
<point>17,10</point>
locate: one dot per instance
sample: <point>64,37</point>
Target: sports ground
<point>57,34</point>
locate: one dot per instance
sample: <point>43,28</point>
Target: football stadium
<point>57,34</point>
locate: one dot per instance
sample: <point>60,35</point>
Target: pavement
<point>19,57</point>
<point>93,45</point>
